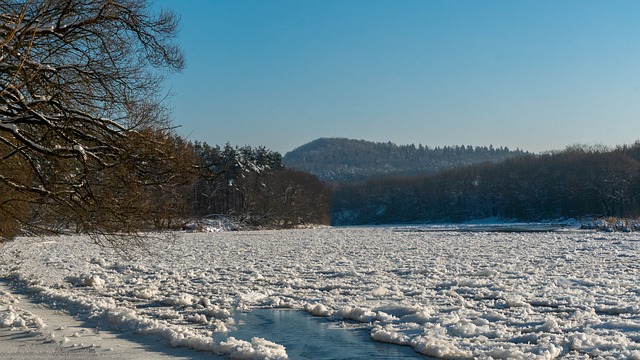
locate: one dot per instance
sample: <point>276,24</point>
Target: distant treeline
<point>253,186</point>
<point>577,182</point>
<point>340,160</point>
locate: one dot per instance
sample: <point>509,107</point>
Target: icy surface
<point>39,332</point>
<point>450,295</point>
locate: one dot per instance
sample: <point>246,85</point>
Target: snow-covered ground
<point>30,330</point>
<point>452,295</point>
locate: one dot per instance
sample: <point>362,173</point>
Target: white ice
<point>450,295</point>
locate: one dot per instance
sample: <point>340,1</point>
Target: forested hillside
<point>577,182</point>
<point>339,159</point>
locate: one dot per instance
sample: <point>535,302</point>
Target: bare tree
<point>79,102</point>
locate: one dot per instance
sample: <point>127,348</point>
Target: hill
<point>341,159</point>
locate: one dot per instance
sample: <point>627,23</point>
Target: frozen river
<point>443,294</point>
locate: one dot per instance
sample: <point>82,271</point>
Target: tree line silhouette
<point>580,181</point>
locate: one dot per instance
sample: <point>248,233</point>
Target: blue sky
<point>536,75</point>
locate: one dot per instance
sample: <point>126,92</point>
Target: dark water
<point>309,337</point>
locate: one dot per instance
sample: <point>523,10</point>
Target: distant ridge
<point>344,160</point>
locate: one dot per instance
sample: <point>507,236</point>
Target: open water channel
<point>309,337</point>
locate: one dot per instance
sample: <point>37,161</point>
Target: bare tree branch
<point>79,84</point>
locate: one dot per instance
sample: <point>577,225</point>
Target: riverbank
<point>30,330</point>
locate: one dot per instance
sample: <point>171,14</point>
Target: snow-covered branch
<point>79,104</point>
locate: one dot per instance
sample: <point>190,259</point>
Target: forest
<point>253,186</point>
<point>578,182</point>
<point>178,181</point>
<point>249,186</point>
<point>340,159</point>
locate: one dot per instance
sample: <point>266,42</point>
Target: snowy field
<point>450,295</point>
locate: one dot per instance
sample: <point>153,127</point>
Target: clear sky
<point>537,75</point>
